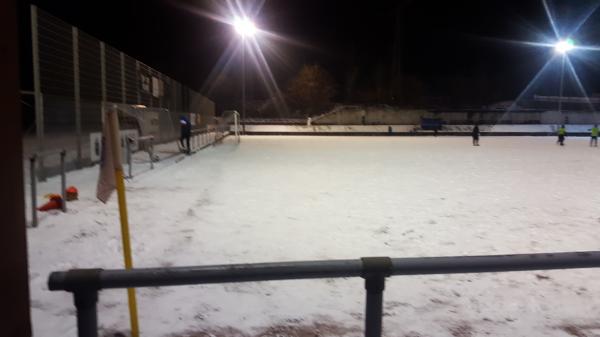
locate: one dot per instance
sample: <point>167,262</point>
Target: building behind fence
<point>76,75</point>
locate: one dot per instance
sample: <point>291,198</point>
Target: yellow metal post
<point>120,186</point>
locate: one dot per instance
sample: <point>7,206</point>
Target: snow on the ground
<point>306,198</point>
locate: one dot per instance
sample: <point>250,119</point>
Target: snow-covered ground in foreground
<point>305,198</point>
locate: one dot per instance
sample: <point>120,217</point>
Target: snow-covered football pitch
<point>292,198</point>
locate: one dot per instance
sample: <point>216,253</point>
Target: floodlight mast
<point>245,28</point>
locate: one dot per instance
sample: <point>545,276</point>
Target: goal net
<point>229,125</point>
<point>151,134</point>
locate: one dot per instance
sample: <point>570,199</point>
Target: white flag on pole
<point>106,178</point>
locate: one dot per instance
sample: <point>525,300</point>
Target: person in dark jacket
<point>186,132</point>
<point>475,135</point>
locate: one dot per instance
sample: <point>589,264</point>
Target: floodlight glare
<point>564,46</point>
<point>244,27</point>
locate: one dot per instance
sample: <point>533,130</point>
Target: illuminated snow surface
<point>310,198</point>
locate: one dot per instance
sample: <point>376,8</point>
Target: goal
<point>229,124</point>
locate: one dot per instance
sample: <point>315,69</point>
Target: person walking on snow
<point>186,132</point>
<point>562,133</point>
<point>475,135</point>
<point>594,136</point>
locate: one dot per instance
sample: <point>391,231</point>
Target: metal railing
<point>129,151</point>
<point>85,283</point>
<point>208,136</point>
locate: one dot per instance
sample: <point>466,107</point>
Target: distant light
<point>564,46</point>
<point>138,106</point>
<point>244,27</point>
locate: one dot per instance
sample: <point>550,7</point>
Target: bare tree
<point>312,89</point>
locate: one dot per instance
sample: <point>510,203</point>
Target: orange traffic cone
<point>55,202</point>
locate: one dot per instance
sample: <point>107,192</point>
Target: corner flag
<point>106,179</point>
<point>111,178</point>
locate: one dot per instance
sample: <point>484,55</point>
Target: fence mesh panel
<point>76,78</point>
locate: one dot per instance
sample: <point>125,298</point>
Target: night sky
<point>434,43</point>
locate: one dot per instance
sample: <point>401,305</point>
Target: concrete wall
<point>354,115</point>
<point>374,130</point>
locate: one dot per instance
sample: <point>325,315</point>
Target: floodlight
<point>564,46</point>
<point>244,27</point>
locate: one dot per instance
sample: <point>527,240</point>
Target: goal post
<point>230,124</point>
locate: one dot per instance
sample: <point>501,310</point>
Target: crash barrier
<point>86,283</point>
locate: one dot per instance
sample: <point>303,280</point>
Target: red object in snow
<point>55,202</point>
<point>72,193</point>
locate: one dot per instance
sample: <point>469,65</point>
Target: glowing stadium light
<point>239,17</point>
<point>564,46</point>
<point>244,27</point>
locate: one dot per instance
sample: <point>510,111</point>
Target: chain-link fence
<point>75,75</point>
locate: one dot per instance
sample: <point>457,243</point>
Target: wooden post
<point>14,283</point>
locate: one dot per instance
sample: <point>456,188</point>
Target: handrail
<point>153,277</point>
<point>85,283</point>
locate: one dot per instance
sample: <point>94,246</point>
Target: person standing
<point>562,133</point>
<point>475,135</point>
<point>594,136</point>
<point>186,132</point>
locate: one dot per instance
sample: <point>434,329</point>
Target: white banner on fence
<point>96,144</point>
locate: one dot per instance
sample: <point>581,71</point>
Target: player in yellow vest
<point>562,132</point>
<point>594,135</point>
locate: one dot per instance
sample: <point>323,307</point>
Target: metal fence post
<point>37,89</point>
<point>41,140</point>
<point>152,153</point>
<point>63,180</point>
<point>123,96</point>
<point>102,78</point>
<point>77,94</point>
<point>87,317</point>
<point>235,123</point>
<point>137,87</point>
<point>374,307</point>
<point>375,270</point>
<point>32,177</point>
<point>161,90</point>
<point>128,149</point>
